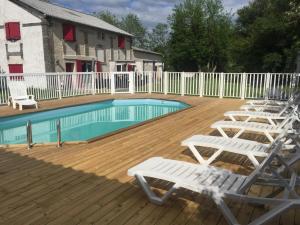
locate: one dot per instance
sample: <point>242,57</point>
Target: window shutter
<point>78,66</point>
<point>99,67</point>
<point>121,42</point>
<point>15,68</point>
<point>69,32</point>
<point>130,68</point>
<point>13,32</point>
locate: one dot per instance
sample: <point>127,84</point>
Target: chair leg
<point>20,107</point>
<point>253,160</point>
<point>268,135</point>
<point>272,213</point>
<point>214,156</point>
<point>222,132</point>
<point>197,155</point>
<point>239,133</point>
<point>36,106</point>
<point>230,218</point>
<point>150,194</point>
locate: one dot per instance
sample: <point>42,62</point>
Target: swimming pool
<point>84,122</point>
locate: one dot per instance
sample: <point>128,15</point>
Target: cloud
<point>150,12</point>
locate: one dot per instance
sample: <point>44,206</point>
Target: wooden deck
<point>88,184</point>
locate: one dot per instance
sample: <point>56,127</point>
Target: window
<point>101,35</point>
<point>16,68</point>
<point>13,31</point>
<point>69,32</point>
<point>121,42</point>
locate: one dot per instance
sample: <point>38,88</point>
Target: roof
<point>145,50</point>
<point>63,13</point>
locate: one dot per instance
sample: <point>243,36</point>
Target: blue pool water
<point>84,122</point>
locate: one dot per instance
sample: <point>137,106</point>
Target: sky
<point>150,12</point>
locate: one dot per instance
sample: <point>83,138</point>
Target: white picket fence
<point>228,85</point>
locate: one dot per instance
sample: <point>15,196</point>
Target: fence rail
<point>224,85</point>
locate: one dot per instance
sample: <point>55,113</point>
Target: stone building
<point>39,37</point>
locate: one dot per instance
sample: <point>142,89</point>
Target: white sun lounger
<point>270,105</point>
<point>263,128</point>
<point>259,108</point>
<point>219,184</point>
<point>251,149</point>
<point>19,96</point>
<point>272,118</point>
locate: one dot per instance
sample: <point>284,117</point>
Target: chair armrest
<point>31,97</point>
<point>9,100</point>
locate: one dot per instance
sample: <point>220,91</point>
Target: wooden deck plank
<point>88,183</point>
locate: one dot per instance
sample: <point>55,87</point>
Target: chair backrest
<point>291,103</point>
<point>261,170</point>
<point>17,89</point>
<point>290,119</point>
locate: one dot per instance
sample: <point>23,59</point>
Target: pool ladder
<point>29,134</point>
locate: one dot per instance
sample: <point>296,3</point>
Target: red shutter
<point>78,66</point>
<point>16,68</point>
<point>69,32</point>
<point>121,42</point>
<point>99,66</point>
<point>13,31</point>
<point>130,68</point>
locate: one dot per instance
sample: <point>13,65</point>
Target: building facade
<point>38,37</point>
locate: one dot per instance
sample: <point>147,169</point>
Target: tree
<point>200,36</point>
<point>132,24</point>
<point>108,17</point>
<point>267,36</point>
<point>159,37</point>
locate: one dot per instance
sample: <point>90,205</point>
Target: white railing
<point>228,85</point>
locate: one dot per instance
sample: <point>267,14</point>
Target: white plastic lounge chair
<point>260,108</point>
<point>263,128</point>
<point>272,102</point>
<point>251,149</point>
<point>272,118</point>
<point>19,96</point>
<point>270,105</point>
<point>248,148</point>
<point>219,184</point>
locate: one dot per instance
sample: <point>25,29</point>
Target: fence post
<point>243,86</point>
<point>58,129</point>
<point>221,94</point>
<point>150,77</point>
<point>112,83</point>
<point>201,84</point>
<point>166,83</point>
<point>267,86</point>
<point>131,82</point>
<point>29,134</point>
<point>59,86</point>
<point>93,83</point>
<point>182,81</point>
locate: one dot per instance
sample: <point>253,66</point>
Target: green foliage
<point>201,36</point>
<point>200,33</point>
<point>266,38</point>
<point>130,23</point>
<point>108,17</point>
<point>133,25</point>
